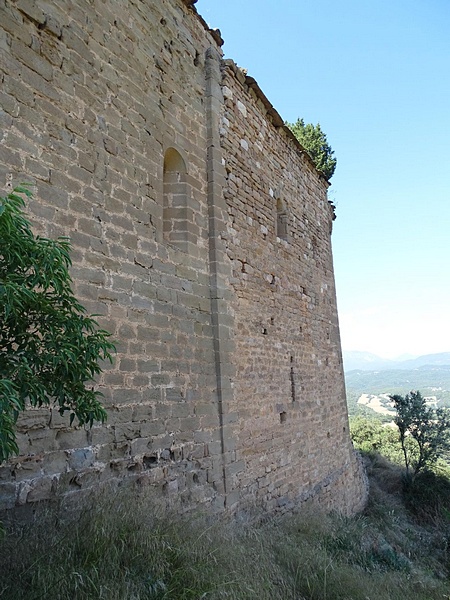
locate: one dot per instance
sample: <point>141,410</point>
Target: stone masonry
<point>201,235</point>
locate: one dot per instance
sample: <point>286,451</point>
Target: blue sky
<point>376,76</point>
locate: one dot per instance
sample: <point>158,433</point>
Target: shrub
<point>314,140</point>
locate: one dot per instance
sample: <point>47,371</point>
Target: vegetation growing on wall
<point>49,348</point>
<point>314,140</point>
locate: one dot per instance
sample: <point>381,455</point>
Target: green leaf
<point>50,348</point>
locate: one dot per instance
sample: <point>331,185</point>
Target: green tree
<point>371,435</point>
<point>49,348</point>
<point>428,428</point>
<point>366,433</point>
<point>313,139</point>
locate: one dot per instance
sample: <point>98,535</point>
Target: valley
<point>368,390</point>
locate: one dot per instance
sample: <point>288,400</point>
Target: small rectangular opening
<point>292,376</point>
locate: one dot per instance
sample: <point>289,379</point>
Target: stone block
<point>72,438</point>
<point>42,440</point>
<point>32,59</point>
<point>161,379</point>
<point>127,431</point>
<point>81,459</point>
<point>25,467</point>
<point>100,436</point>
<point>152,428</point>
<point>126,396</point>
<point>54,463</point>
<point>11,158</point>
<point>214,447</point>
<point>173,394</point>
<point>232,499</point>
<point>33,419</point>
<point>36,490</point>
<point>140,446</point>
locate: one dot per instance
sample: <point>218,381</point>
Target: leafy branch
<point>49,347</point>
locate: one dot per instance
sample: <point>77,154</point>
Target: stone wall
<point>292,434</point>
<point>201,236</point>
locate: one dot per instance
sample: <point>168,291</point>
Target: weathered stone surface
<point>167,167</point>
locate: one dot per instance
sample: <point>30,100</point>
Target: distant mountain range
<point>365,361</point>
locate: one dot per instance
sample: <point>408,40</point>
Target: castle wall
<point>165,171</point>
<point>292,436</point>
<point>93,95</point>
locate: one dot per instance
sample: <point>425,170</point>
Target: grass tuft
<point>122,547</point>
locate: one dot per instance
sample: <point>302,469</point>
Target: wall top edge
<point>250,82</point>
<point>215,33</point>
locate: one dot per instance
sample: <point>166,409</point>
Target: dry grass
<point>120,548</point>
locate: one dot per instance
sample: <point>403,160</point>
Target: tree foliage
<point>428,428</point>
<point>372,436</point>
<point>314,140</point>
<point>49,348</point>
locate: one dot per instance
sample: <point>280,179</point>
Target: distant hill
<point>431,360</point>
<point>367,373</point>
<point>431,380</point>
<point>392,381</point>
<point>365,361</point>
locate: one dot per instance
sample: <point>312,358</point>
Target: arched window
<point>282,220</point>
<point>175,207</point>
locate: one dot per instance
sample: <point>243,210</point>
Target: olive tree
<point>49,347</point>
<point>427,427</point>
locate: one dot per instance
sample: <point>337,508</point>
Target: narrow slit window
<point>282,219</point>
<point>292,377</point>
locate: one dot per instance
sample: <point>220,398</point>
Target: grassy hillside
<point>122,548</point>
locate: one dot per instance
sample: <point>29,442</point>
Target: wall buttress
<point>222,321</point>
